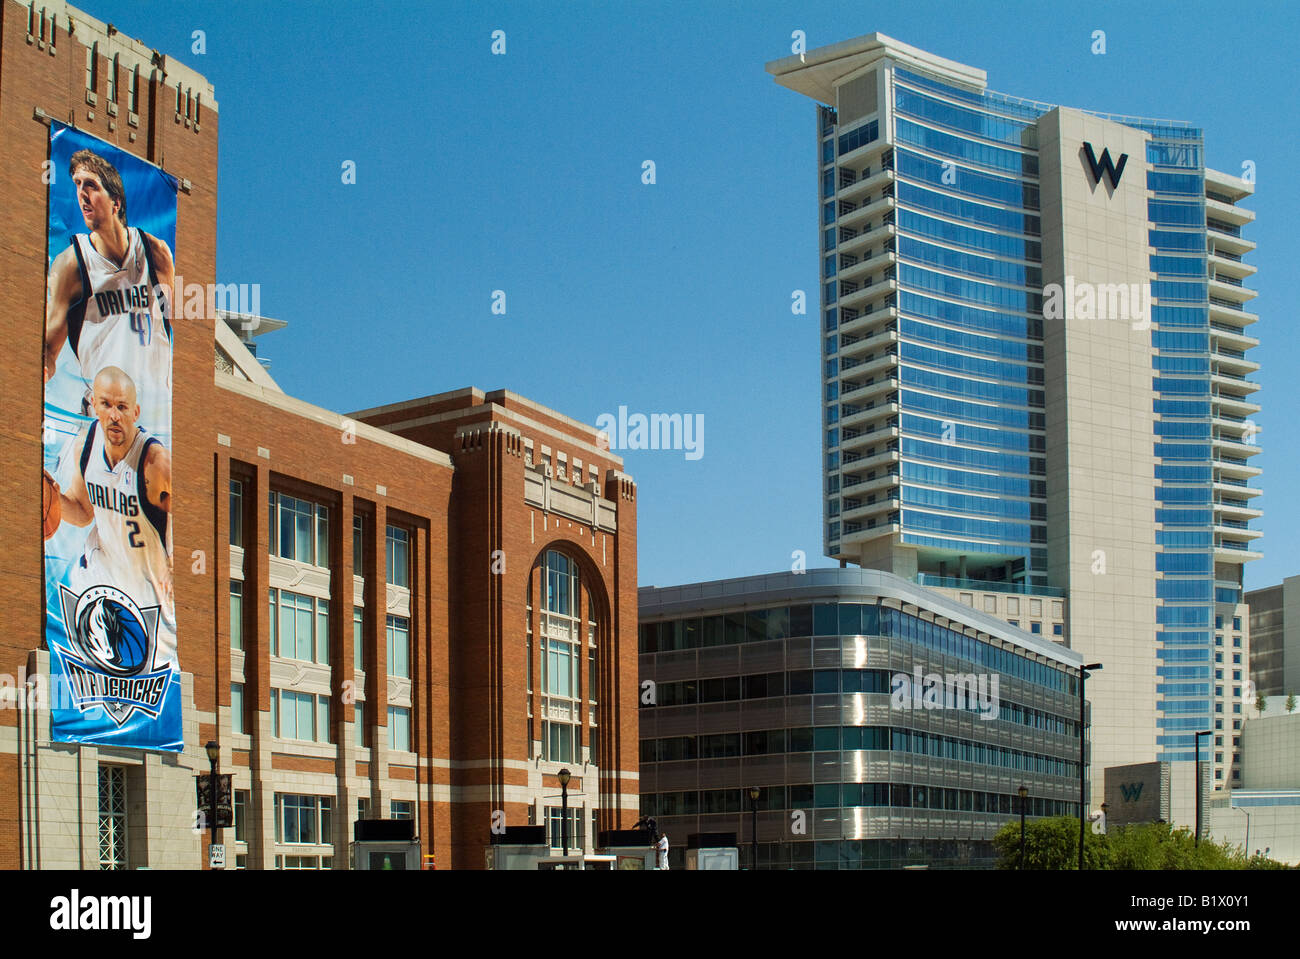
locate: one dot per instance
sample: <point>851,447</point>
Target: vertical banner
<point>110,611</point>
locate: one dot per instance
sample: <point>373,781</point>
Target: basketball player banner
<point>109,606</point>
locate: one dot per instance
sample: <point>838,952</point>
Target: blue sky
<point>522,173</point>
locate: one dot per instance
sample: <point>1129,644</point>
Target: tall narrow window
<point>112,79</point>
<point>358,639</point>
<point>358,544</point>
<point>134,102</point>
<point>399,558</point>
<point>236,513</point>
<point>236,614</point>
<point>399,647</point>
<point>112,817</point>
<point>92,59</point>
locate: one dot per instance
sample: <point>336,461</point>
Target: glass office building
<point>1034,345</point>
<point>810,687</point>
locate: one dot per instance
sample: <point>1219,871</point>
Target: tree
<point>1261,703</point>
<point>1290,703</point>
<point>1050,844</point>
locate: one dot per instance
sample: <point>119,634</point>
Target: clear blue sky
<point>522,173</point>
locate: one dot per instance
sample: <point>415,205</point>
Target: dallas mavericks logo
<point>113,645</point>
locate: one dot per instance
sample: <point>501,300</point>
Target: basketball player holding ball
<point>123,485</point>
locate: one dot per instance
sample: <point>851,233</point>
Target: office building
<point>882,723</point>
<point>421,611</point>
<point>1275,638</point>
<point>1035,338</point>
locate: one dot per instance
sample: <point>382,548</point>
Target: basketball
<point>51,506</point>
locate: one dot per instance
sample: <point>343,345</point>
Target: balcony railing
<point>987,586</point>
<point>1226,304</point>
<point>1222,227</point>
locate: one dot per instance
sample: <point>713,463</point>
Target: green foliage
<point>1050,844</point>
<point>1054,844</point>
<point>1290,703</point>
<point>1261,704</point>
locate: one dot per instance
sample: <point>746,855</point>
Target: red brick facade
<point>474,540</point>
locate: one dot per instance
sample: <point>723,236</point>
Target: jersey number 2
<point>141,326</point>
<point>134,536</point>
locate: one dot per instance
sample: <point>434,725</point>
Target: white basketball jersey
<point>127,543</point>
<point>124,319</point>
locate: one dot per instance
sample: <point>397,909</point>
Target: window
<point>1236,642</point>
<point>1236,622</point>
<point>236,513</point>
<point>236,614</point>
<point>134,92</point>
<point>399,728</point>
<point>399,557</point>
<point>237,708</point>
<point>358,542</point>
<point>301,627</point>
<point>591,675</point>
<point>304,862</point>
<point>301,716</point>
<point>399,647</point>
<point>112,79</point>
<point>298,530</point>
<point>358,639</point>
<point>302,820</point>
<point>1036,628</point>
<point>1058,629</point>
<point>401,809</point>
<point>92,67</point>
<point>561,658</point>
<point>112,817</point>
<point>241,815</point>
<point>558,742</point>
<point>555,827</point>
<point>359,723</point>
<point>363,807</point>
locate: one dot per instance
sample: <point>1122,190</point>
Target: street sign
<point>217,856</point>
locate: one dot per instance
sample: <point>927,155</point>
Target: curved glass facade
<point>821,706</point>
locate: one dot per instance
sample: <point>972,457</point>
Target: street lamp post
<point>1083,758</point>
<point>754,793</point>
<point>563,776</point>
<point>1023,793</point>
<point>213,749</point>
<point>1208,732</point>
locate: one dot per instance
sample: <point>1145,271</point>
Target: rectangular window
<point>236,513</point>
<point>112,817</point>
<point>358,541</point>
<point>558,742</point>
<point>300,627</point>
<point>134,92</point>
<point>358,639</point>
<point>237,708</point>
<point>401,809</point>
<point>301,716</point>
<point>591,675</point>
<point>399,728</point>
<point>241,815</point>
<point>298,530</point>
<point>302,820</point>
<point>236,614</point>
<point>399,647</point>
<point>555,828</point>
<point>399,558</point>
<point>359,723</point>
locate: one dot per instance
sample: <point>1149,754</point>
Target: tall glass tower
<point>1034,343</point>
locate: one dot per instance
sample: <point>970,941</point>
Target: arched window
<point>561,638</point>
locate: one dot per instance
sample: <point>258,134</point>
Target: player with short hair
<point>123,485</point>
<point>108,293</point>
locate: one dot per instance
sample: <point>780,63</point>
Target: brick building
<point>449,621</point>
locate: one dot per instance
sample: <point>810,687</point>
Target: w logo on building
<point>1113,172</point>
<point>1131,791</point>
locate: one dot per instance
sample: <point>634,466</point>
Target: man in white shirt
<point>663,851</point>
